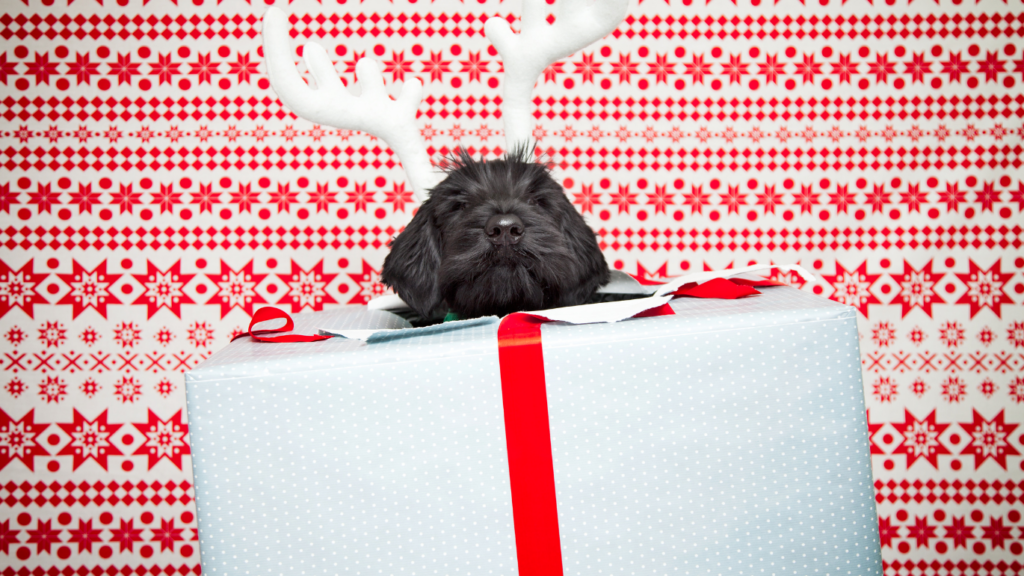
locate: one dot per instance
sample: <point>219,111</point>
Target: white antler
<point>330,104</point>
<point>577,24</point>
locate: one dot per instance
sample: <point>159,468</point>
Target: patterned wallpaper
<point>155,192</point>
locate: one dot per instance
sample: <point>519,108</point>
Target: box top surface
<point>245,358</point>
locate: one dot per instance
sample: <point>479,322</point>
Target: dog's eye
<point>458,206</point>
<point>535,201</point>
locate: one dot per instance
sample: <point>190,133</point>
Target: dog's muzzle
<point>504,229</point>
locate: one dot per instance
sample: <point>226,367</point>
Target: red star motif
<point>917,288</point>
<point>164,439</point>
<point>988,196</point>
<point>44,198</point>
<point>205,198</point>
<point>436,66</point>
<point>8,536</point>
<point>996,533</point>
<point>853,287</point>
<point>398,66</point>
<point>913,198</point>
<point>369,284</point>
<point>124,69</point>
<point>85,198</point>
<point>7,198</point>
<point>624,198</point>
<point>953,196</point>
<point>696,199</point>
<point>163,289</point>
<point>887,531</point>
<point>734,198</point>
<point>283,197</point>
<point>921,439</point>
<point>243,68</point>
<point>959,532</point>
<point>660,198</point>
<point>360,197</point>
<point>697,69</point>
<point>662,68</point>
<point>125,199</point>
<point>398,197</point>
<point>475,66</point>
<point>84,535</point>
<point>90,439</point>
<point>18,289</point>
<point>807,198</point>
<point>872,429</point>
<point>735,69</point>
<point>126,536</point>
<point>43,536</point>
<point>586,67</point>
<point>808,68</point>
<point>842,198</point>
<point>769,199</point>
<point>89,289</point>
<point>18,440</point>
<point>308,288</point>
<point>624,68</point>
<point>955,67</point>
<point>237,289</point>
<point>82,69</point>
<point>586,198</point>
<point>166,198</point>
<point>167,534</point>
<point>921,531</point>
<point>985,288</point>
<point>989,439</point>
<point>878,198</point>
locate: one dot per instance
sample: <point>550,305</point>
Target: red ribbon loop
<point>269,313</point>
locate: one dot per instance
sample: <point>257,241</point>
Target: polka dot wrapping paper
<point>672,452</point>
<point>155,192</point>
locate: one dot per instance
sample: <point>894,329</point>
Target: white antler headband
<point>331,104</point>
<point>578,23</point>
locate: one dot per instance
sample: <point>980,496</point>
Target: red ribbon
<point>528,442</point>
<point>270,313</point>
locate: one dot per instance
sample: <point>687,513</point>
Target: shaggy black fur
<point>452,257</point>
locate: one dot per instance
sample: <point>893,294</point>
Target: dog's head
<point>495,237</point>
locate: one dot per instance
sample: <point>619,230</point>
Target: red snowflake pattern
<point>989,439</point>
<point>921,439</point>
<point>200,334</point>
<point>53,389</point>
<point>52,334</point>
<point>127,334</point>
<point>90,439</point>
<point>884,389</point>
<point>128,389</point>
<point>165,439</point>
<point>954,389</point>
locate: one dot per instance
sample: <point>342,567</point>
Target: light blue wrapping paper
<point>729,438</point>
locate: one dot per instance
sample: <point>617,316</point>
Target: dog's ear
<point>590,265</point>
<point>412,266</point>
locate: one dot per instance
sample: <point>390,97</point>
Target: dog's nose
<point>504,229</point>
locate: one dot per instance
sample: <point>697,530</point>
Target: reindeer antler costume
<point>577,24</point>
<point>482,261</point>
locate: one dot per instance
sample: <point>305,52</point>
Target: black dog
<point>495,237</point>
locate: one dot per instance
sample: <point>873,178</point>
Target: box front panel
<point>734,451</point>
<point>387,469</point>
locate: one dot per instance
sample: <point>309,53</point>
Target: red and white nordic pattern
<point>155,192</point>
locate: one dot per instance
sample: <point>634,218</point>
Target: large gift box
<point>712,437</point>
